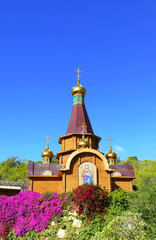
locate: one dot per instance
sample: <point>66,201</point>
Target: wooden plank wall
<point>123,183</point>
<point>42,185</point>
<point>103,178</point>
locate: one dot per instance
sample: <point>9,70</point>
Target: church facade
<point>80,160</point>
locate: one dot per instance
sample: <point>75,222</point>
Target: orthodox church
<point>80,160</point>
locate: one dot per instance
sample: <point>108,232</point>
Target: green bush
<point>143,201</point>
<point>129,226</point>
<point>120,199</point>
<point>119,204</point>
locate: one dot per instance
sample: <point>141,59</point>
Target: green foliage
<point>29,236</point>
<point>13,169</point>
<point>128,226</point>
<point>145,171</point>
<point>132,159</point>
<point>120,199</point>
<point>119,204</point>
<point>133,208</point>
<point>131,215</point>
<point>143,202</point>
<point>118,159</point>
<point>54,159</point>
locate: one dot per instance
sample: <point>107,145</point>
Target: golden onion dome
<point>78,89</point>
<point>83,143</point>
<point>111,154</point>
<point>47,152</point>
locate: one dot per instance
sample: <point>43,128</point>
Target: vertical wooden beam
<point>75,146</point>
<point>110,182</point>
<point>61,162</point>
<point>64,182</point>
<point>31,184</point>
<point>63,144</point>
<point>79,160</point>
<point>72,146</point>
<point>91,143</point>
<point>94,160</point>
<point>97,142</point>
<point>131,185</point>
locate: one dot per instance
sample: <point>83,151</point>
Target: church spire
<point>79,114</point>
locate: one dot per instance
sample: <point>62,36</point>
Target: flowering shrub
<point>28,211</point>
<point>91,200</point>
<point>2,198</point>
<point>77,223</point>
<point>61,233</point>
<point>129,226</point>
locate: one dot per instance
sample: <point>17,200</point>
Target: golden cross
<point>83,128</point>
<point>78,75</point>
<point>47,138</point>
<point>110,139</point>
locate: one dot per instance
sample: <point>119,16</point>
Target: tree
<point>13,169</point>
<point>144,171</point>
<point>54,159</point>
<point>130,159</point>
<point>11,162</point>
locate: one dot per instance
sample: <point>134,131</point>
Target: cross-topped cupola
<point>79,114</point>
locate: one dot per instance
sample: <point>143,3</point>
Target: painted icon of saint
<point>87,175</point>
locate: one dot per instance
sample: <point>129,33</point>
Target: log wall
<point>46,184</point>
<point>71,176</point>
<point>125,183</point>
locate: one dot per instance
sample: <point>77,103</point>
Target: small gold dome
<point>78,89</point>
<point>111,154</point>
<point>83,143</point>
<point>47,152</point>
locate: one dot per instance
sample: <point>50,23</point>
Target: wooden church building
<point>80,160</point>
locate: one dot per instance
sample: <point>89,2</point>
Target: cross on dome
<point>78,75</point>
<point>110,139</point>
<point>47,137</point>
<point>83,127</point>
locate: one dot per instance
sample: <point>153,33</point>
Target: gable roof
<point>39,168</point>
<point>125,169</point>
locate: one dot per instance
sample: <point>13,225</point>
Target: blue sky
<point>43,42</point>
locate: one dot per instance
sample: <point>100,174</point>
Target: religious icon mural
<point>87,173</point>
